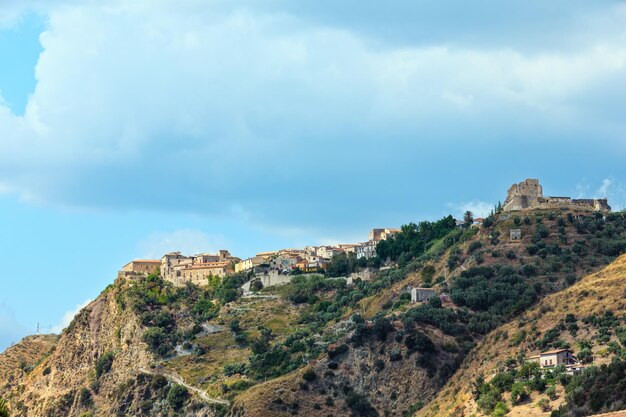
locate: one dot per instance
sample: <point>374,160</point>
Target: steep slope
<point>19,359</point>
<point>596,295</point>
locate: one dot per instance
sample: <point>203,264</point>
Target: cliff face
<point>54,386</point>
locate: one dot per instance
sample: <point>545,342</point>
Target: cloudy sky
<point>128,129</point>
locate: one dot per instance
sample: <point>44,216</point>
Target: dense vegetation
<point>596,390</point>
<point>161,306</point>
<point>414,239</point>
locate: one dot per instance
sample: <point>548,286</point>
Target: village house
<point>250,263</point>
<point>348,247</point>
<point>199,273</point>
<point>179,268</point>
<point>140,267</point>
<point>366,250</point>
<point>558,357</point>
<point>515,234</point>
<point>422,294</point>
<point>377,235</point>
<point>328,252</point>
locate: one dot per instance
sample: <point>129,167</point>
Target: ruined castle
<point>528,194</point>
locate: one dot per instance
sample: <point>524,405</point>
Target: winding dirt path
<point>178,380</point>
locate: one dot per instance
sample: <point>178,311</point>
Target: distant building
<point>377,235</point>
<point>141,266</point>
<point>250,263</point>
<point>366,250</point>
<point>528,194</point>
<point>178,268</point>
<point>558,357</point>
<point>516,234</point>
<point>199,273</point>
<point>328,251</point>
<point>422,294</point>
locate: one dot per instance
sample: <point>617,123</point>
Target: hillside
<point>583,307</point>
<point>19,359</point>
<point>318,346</point>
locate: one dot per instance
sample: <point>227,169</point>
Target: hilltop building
<point>179,268</point>
<point>528,194</point>
<point>368,249</point>
<point>140,267</point>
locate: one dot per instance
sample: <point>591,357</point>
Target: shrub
<point>519,392</point>
<point>474,246</point>
<point>177,396</point>
<point>235,368</point>
<point>85,398</point>
<point>360,405</point>
<point>500,410</point>
<point>104,363</point>
<point>157,340</point>
<point>309,375</point>
<point>544,404</point>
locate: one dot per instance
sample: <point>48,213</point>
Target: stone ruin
<point>528,194</point>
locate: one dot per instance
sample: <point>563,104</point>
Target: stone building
<point>515,234</point>
<point>140,267</point>
<point>558,357</point>
<point>422,294</point>
<point>528,194</point>
<point>179,268</point>
<point>199,273</point>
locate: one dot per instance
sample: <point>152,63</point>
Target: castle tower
<point>526,194</point>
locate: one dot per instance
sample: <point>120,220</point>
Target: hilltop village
<point>279,266</point>
<point>273,268</point>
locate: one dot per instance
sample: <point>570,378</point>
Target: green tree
<point>177,396</point>
<point>468,219</point>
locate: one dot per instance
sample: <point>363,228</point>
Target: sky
<point>130,129</point>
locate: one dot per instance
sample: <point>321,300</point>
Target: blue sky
<point>131,129</point>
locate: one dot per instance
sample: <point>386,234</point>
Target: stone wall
<point>528,194</point>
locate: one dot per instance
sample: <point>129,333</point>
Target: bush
<point>474,246</point>
<point>309,375</point>
<point>500,410</point>
<point>85,398</point>
<point>177,396</point>
<point>104,363</point>
<point>360,405</point>
<point>235,368</point>
<point>519,392</point>
<point>157,340</point>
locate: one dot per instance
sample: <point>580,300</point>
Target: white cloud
<point>206,105</point>
<point>186,241</point>
<point>68,316</point>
